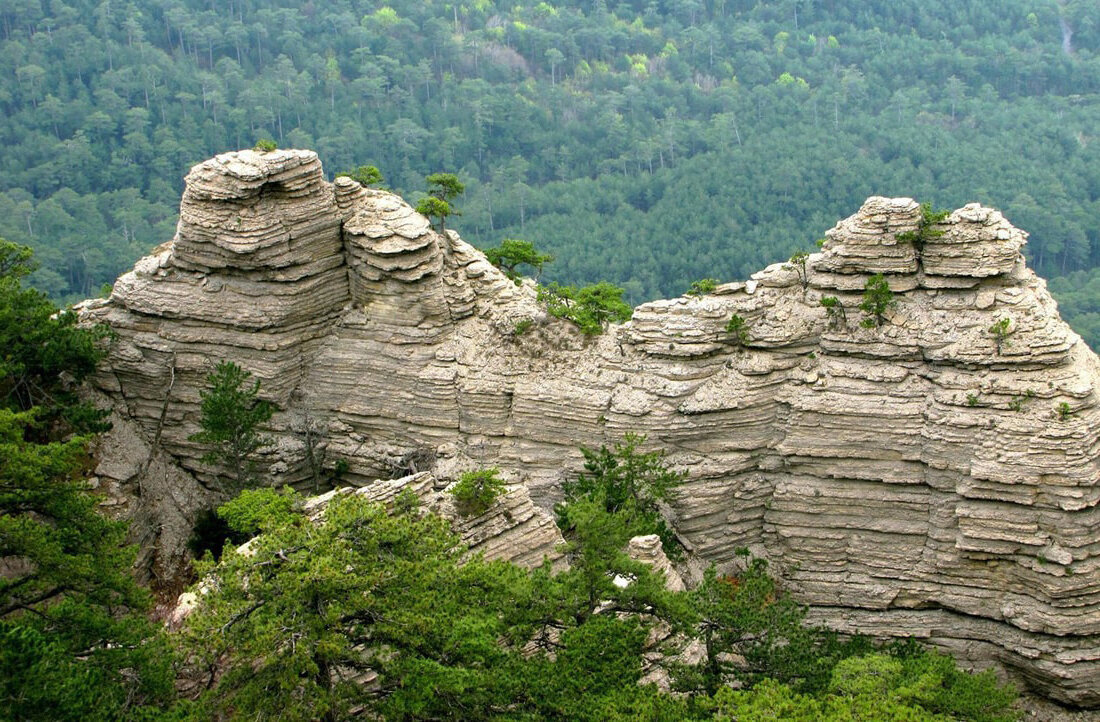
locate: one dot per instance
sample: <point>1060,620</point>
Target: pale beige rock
<point>911,479</point>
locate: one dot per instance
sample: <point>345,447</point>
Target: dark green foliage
<point>926,230</point>
<point>627,482</point>
<point>877,300</point>
<point>1064,411</point>
<point>231,416</point>
<point>476,491</point>
<point>702,287</point>
<point>265,145</point>
<point>523,326</point>
<point>365,590</point>
<point>919,686</point>
<point>750,617</point>
<point>45,355</point>
<point>512,253</point>
<point>737,330</point>
<point>287,627</point>
<point>591,307</point>
<point>365,175</point>
<point>575,122</point>
<point>933,681</point>
<point>445,186</point>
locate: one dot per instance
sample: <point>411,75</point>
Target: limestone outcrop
<point>936,476</point>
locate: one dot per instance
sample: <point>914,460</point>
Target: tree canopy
<point>649,144</point>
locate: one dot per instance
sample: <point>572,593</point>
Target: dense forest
<point>645,142</point>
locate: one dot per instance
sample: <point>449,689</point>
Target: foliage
<point>738,330</point>
<point>231,416</point>
<point>361,590</point>
<point>702,287</point>
<point>442,189</point>
<point>627,482</point>
<point>1063,410</point>
<point>523,326</point>
<point>73,641</point>
<point>288,629</point>
<point>834,311</point>
<point>255,510</point>
<point>752,631</point>
<point>926,230</point>
<point>1017,402</point>
<point>917,686</point>
<point>45,354</point>
<point>797,261</point>
<point>476,491</point>
<point>618,119</point>
<point>1000,332</point>
<point>512,253</point>
<point>365,175</point>
<point>591,308</point>
<point>432,207</point>
<point>877,299</point>
<point>265,145</point>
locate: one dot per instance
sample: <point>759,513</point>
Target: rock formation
<point>931,477</point>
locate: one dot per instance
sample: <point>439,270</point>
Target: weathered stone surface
<point>919,478</point>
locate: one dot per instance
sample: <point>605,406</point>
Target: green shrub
<point>265,145</point>
<point>257,509</point>
<point>364,175</point>
<point>702,287</point>
<point>591,308</point>
<point>1000,333</point>
<point>877,299</point>
<point>476,491</point>
<point>738,330</point>
<point>523,326</point>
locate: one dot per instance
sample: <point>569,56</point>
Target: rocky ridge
<point>928,477</point>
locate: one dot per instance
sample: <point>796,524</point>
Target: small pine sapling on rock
<point>877,299</point>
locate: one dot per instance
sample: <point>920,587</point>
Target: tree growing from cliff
<point>476,491</point>
<point>877,299</point>
<point>512,253</point>
<point>231,416</point>
<point>443,188</point>
<point>627,482</point>
<point>926,230</point>
<point>313,606</point>
<point>591,308</point>
<point>797,262</point>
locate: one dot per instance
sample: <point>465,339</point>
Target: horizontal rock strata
<point>930,476</point>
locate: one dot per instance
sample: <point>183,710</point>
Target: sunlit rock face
<point>931,476</point>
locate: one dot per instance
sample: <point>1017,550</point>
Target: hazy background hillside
<point>649,142</point>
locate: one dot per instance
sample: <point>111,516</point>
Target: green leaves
<point>591,308</point>
<point>877,299</point>
<point>231,415</point>
<point>512,253</point>
<point>476,491</point>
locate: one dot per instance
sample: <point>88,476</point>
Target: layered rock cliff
<point>928,477</point>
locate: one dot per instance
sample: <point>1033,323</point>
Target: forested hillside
<point>646,142</point>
